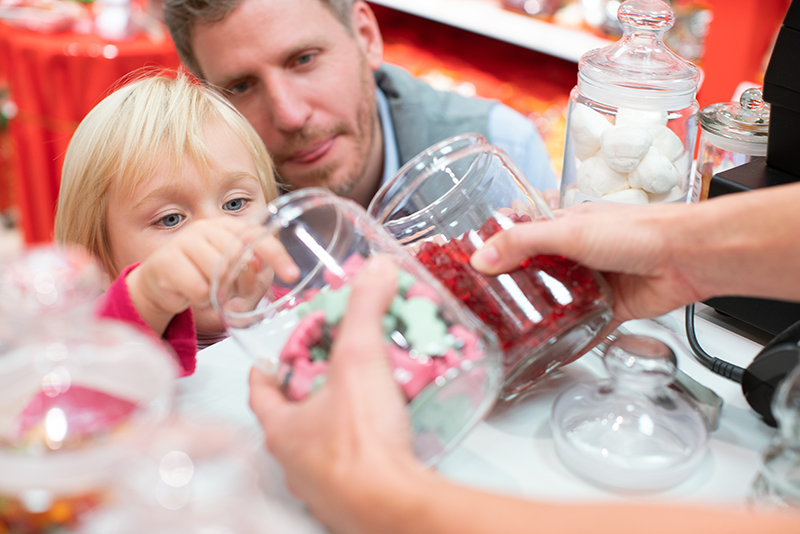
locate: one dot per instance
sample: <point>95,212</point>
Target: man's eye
<point>170,221</point>
<point>236,204</point>
<point>304,59</point>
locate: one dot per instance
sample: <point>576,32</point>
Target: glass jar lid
<point>48,279</point>
<point>743,125</point>
<point>630,432</point>
<point>639,69</point>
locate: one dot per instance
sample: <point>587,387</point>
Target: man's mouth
<point>312,152</point>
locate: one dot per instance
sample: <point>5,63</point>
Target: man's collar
<point>391,159</point>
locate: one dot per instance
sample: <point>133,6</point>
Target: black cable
<point>721,367</point>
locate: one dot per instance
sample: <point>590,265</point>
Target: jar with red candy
<point>443,205</point>
<point>445,361</point>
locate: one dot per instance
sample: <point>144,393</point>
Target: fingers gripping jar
<point>632,117</point>
<point>443,205</point>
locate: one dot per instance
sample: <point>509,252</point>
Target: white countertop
<point>513,451</point>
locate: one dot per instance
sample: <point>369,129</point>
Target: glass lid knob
<point>648,15</point>
<point>640,362</point>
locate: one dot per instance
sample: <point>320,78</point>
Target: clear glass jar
<point>189,478</point>
<point>777,485</point>
<point>77,394</point>
<point>443,204</point>
<point>630,432</point>
<point>731,134</point>
<point>446,362</point>
<point>631,123</point>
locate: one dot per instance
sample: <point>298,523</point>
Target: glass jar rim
<point>381,211</point>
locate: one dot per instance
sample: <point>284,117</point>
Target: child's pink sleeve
<point>180,334</point>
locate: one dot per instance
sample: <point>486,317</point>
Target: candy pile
<point>525,308</point>
<point>61,416</point>
<point>40,513</point>
<point>637,159</point>
<point>423,347</point>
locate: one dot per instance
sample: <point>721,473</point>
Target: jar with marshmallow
<point>632,118</point>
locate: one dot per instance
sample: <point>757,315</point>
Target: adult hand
<point>178,275</point>
<point>354,433</point>
<point>630,245</point>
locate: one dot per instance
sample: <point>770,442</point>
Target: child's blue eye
<point>171,220</point>
<point>234,205</point>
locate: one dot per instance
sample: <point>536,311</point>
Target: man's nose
<point>290,111</point>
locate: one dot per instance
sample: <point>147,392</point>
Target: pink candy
<point>418,289</point>
<point>413,374</point>
<point>305,335</point>
<point>350,266</point>
<point>301,381</point>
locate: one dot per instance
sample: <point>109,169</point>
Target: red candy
<point>554,300</point>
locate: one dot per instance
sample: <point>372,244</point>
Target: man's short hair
<point>181,17</point>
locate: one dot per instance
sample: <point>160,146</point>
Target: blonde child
<point>159,177</point>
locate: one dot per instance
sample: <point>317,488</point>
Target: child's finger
<point>270,250</point>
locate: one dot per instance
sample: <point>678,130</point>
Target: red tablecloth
<point>56,79</point>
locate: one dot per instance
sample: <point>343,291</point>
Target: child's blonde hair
<point>126,137</point>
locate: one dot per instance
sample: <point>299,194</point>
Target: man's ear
<point>367,33</point>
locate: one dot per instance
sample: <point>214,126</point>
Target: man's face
<point>306,86</point>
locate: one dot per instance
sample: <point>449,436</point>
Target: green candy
<point>404,282</point>
<point>424,330</point>
<point>318,354</point>
<point>334,302</point>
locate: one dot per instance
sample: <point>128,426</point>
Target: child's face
<point>164,204</point>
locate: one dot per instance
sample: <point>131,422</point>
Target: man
<point>310,78</point>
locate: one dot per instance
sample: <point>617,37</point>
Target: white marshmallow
<point>595,178</point>
<point>640,117</point>
<point>586,125</point>
<point>623,147</point>
<point>655,173</point>
<point>627,196</point>
<point>684,164</point>
<point>666,142</point>
<point>673,194</point>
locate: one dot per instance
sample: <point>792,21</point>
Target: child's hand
<point>178,275</point>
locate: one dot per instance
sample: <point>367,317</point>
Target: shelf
<point>487,17</point>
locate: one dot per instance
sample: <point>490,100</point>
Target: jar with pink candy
<point>445,361</point>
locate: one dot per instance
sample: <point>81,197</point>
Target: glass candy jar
<point>190,477</point>
<point>731,134</point>
<point>777,485</point>
<point>446,362</point>
<point>443,205</point>
<point>632,117</point>
<point>51,284</point>
<point>77,394</point>
<point>630,432</point>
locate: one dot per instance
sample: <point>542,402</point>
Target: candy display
<point>443,205</point>
<point>446,362</point>
<point>519,335</point>
<point>422,346</point>
<point>632,116</point>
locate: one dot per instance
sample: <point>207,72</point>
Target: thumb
<point>505,250</point>
<point>361,334</point>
